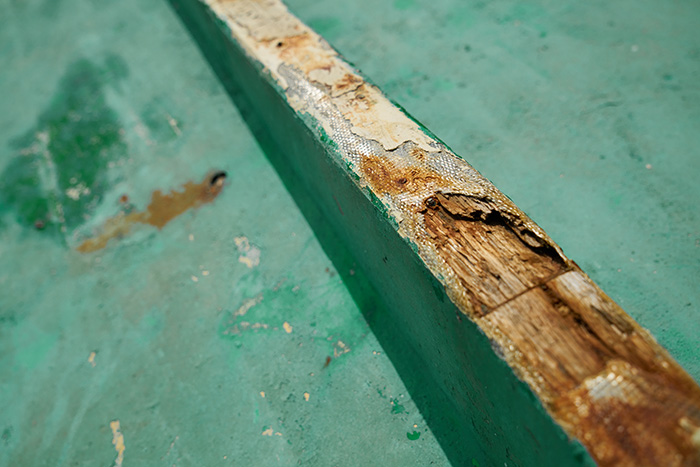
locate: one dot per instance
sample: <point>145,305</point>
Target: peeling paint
<point>407,173</point>
<point>249,254</point>
<point>75,192</point>
<point>388,152</point>
<point>287,327</point>
<point>118,442</point>
<point>231,326</point>
<point>173,124</point>
<point>340,348</point>
<point>248,304</point>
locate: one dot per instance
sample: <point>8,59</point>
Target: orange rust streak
<point>385,177</point>
<point>162,209</point>
<point>348,82</point>
<point>302,51</point>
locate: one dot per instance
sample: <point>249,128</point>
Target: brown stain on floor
<point>163,208</point>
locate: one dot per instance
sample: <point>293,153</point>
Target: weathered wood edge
<point>598,373</point>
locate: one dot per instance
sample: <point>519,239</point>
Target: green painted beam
<point>203,342</point>
<point>126,335</point>
<point>295,94</point>
<point>585,114</point>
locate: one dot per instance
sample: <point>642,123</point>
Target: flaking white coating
<point>362,122</point>
<point>260,25</point>
<point>319,83</point>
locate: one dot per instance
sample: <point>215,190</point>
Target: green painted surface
<point>586,114</point>
<point>112,98</point>
<point>474,404</point>
<point>563,106</point>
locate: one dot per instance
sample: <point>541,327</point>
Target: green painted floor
<point>208,340</point>
<point>587,114</point>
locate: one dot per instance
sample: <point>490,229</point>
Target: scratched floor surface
<point>153,312</point>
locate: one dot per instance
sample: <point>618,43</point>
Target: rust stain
<point>613,411</point>
<point>360,100</point>
<point>301,51</point>
<point>348,82</point>
<point>599,374</point>
<point>359,104</point>
<point>163,208</point>
<point>383,176</point>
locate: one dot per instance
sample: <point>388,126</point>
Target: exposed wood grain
<point>598,373</point>
<point>596,370</point>
<point>495,258</point>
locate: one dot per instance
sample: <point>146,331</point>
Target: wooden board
<point>599,375</point>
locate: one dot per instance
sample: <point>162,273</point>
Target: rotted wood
<point>600,376</point>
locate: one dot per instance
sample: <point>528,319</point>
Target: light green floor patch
<point>207,340</point>
<point>586,114</point>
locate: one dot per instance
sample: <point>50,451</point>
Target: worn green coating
<point>527,92</point>
<point>471,399</point>
<point>89,89</point>
<point>70,146</point>
<point>586,114</point>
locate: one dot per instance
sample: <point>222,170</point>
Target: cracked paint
<point>412,176</point>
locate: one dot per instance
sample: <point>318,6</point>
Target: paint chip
<point>249,254</point>
<point>648,166</point>
<point>173,124</point>
<point>205,273</point>
<point>75,192</point>
<point>287,327</point>
<point>339,348</point>
<point>191,237</point>
<point>306,396</point>
<point>91,359</point>
<point>118,442</point>
<point>262,394</point>
<point>248,304</point>
<point>195,279</point>
<point>268,432</point>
